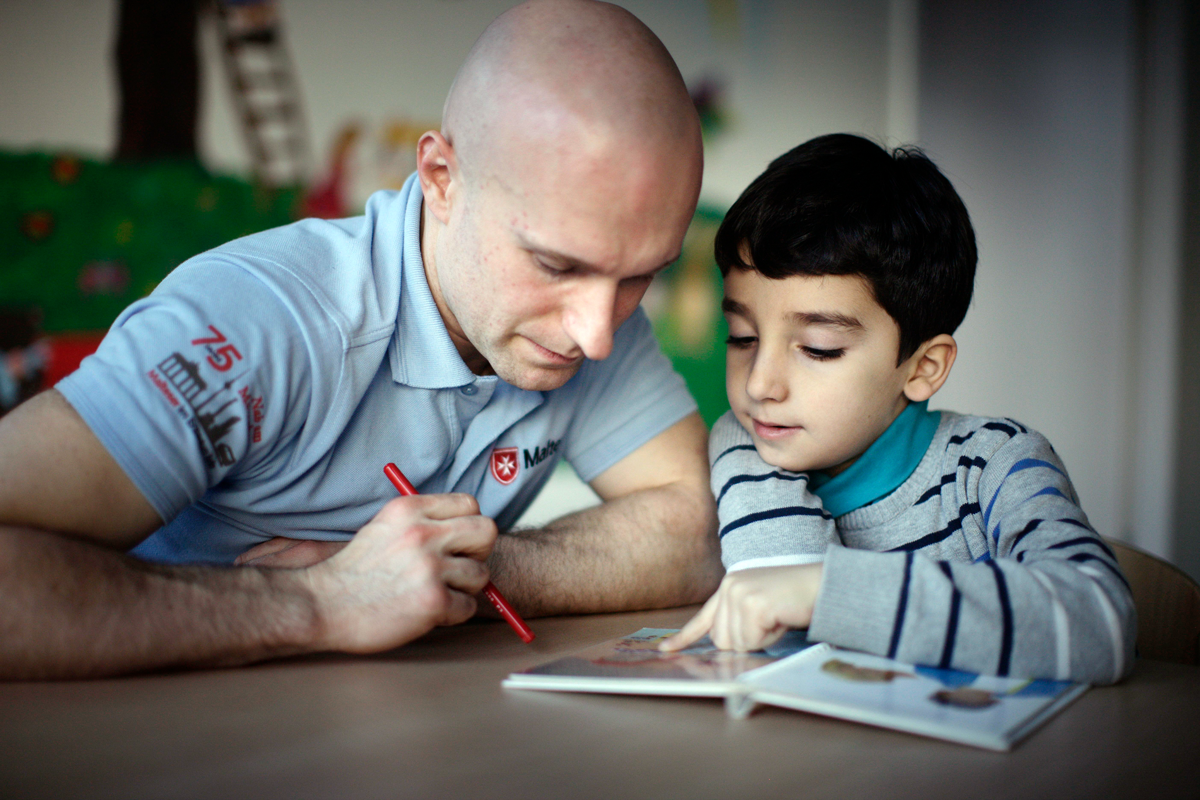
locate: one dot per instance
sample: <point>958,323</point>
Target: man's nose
<point>590,319</point>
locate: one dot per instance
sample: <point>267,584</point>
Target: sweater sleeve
<point>1045,599</point>
<point>767,516</point>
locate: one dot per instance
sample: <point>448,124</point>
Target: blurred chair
<point>1168,606</point>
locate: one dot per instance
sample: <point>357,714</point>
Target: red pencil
<point>490,592</point>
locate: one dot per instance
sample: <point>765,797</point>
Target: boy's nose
<point>765,381</point>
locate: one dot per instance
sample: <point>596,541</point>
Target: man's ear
<point>437,170</point>
<point>930,366</point>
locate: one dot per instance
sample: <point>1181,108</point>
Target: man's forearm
<point>73,610</point>
<point>650,549</point>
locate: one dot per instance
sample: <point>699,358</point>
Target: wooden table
<point>430,720</point>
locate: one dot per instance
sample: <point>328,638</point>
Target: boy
<point>846,505</point>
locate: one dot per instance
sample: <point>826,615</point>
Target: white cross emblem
<point>505,465</point>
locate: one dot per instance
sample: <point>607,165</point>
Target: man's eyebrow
<point>575,263</point>
<point>563,258</point>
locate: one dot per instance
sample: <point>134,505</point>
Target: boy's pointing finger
<point>696,627</point>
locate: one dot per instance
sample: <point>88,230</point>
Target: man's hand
<point>754,607</point>
<point>416,565</point>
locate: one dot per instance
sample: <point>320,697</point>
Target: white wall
<point>1032,110</point>
<point>56,75</point>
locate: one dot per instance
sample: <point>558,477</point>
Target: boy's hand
<point>754,607</point>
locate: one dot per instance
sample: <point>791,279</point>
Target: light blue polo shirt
<point>260,389</point>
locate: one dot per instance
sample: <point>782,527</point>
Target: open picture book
<point>980,710</point>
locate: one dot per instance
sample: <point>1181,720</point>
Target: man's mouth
<point>553,356</point>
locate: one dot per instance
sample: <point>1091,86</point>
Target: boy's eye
<point>822,355</point>
<point>741,342</point>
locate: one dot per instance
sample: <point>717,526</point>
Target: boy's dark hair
<point>842,205</point>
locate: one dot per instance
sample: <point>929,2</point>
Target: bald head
<point>563,179</point>
<point>573,75</point>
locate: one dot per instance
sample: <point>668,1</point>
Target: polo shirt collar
<point>422,354</point>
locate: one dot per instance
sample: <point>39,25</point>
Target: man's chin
<point>533,378</point>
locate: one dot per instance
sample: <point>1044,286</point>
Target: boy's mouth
<point>767,431</point>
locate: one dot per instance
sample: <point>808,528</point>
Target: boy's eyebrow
<point>828,318</point>
<point>733,307</point>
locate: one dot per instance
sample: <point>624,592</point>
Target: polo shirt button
<point>470,390</point>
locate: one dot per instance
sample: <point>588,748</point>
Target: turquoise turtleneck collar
<point>884,465</point>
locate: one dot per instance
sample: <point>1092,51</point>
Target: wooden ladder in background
<point>265,90</point>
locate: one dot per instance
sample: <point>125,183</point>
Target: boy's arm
<point>1045,599</point>
<point>766,515</point>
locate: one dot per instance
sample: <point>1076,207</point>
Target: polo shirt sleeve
<point>625,400</point>
<point>199,382</point>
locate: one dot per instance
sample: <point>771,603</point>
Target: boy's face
<point>811,367</point>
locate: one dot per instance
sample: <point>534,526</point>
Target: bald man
<point>475,327</point>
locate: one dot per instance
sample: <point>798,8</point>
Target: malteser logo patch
<point>540,454</point>
<point>505,465</point>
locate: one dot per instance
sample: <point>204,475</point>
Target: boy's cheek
<point>735,390</point>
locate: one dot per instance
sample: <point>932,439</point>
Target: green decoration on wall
<point>685,306</point>
<point>82,239</point>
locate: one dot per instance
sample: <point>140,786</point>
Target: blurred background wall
<point>1066,125</point>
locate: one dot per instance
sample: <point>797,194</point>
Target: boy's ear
<point>437,170</point>
<point>929,367</point>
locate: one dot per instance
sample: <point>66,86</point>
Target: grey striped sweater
<point>982,560</point>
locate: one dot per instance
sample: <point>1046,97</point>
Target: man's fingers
<point>696,627</point>
<point>460,607</point>
<point>449,506</point>
<point>445,523</point>
<point>465,575</point>
<point>433,523</point>
<point>473,537</point>
<point>431,506</point>
<point>300,555</point>
<point>269,547</point>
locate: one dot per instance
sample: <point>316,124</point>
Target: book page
<point>939,702</point>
